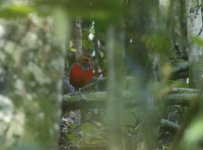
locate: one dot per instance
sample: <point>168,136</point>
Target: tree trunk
<point>34,84</point>
<point>78,37</point>
<point>194,30</point>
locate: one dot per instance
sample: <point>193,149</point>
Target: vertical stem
<point>114,114</point>
<point>78,40</point>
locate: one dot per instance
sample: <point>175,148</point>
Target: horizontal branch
<point>74,101</point>
<point>179,99</point>
<point>181,67</point>
<point>169,125</point>
<point>183,90</point>
<point>180,71</point>
<point>181,96</point>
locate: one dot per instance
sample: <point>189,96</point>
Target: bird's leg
<point>80,92</point>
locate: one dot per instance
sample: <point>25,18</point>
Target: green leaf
<point>129,118</point>
<point>84,8</point>
<point>198,41</point>
<point>158,42</point>
<point>87,128</point>
<point>12,11</point>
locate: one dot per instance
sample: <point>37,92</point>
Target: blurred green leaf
<point>87,8</point>
<point>12,11</point>
<point>88,44</point>
<point>158,42</point>
<point>194,134</point>
<point>130,117</point>
<point>198,41</point>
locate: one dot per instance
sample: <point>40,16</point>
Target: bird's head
<point>85,60</point>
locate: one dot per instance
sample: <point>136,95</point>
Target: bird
<point>81,72</point>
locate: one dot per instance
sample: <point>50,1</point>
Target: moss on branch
<point>74,101</point>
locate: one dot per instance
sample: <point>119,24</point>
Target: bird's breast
<point>80,75</point>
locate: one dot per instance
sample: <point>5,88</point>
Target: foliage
<point>12,11</point>
<point>88,134</point>
<point>135,47</point>
<point>197,41</point>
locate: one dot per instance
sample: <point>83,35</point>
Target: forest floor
<point>87,136</point>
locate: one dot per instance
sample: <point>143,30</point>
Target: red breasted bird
<point>81,72</point>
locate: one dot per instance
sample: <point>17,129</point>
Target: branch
<point>181,96</point>
<point>180,71</point>
<point>92,100</point>
<point>169,125</point>
<point>77,100</point>
<point>183,91</point>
